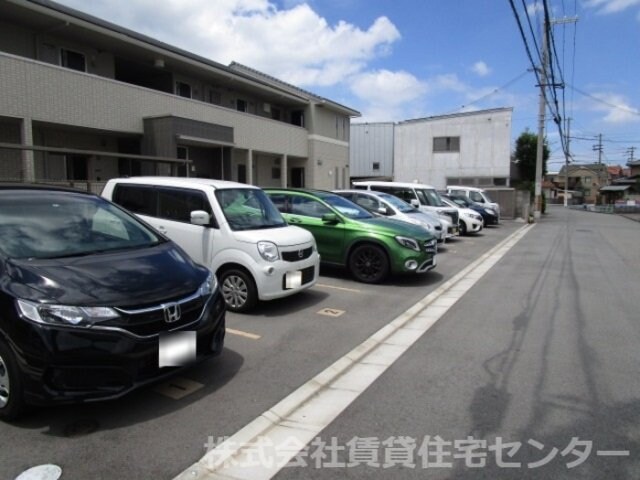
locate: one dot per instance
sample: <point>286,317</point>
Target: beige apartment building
<point>84,100</point>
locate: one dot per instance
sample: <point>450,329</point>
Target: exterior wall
<point>485,139</point>
<point>328,164</point>
<point>58,95</point>
<point>328,123</point>
<point>371,143</point>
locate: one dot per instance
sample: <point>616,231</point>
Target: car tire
<point>238,290</point>
<point>368,263</point>
<point>463,228</point>
<point>11,397</point>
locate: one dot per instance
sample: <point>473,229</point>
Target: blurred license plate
<point>293,279</point>
<point>176,349</point>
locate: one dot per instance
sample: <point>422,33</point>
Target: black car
<point>489,215</point>
<point>93,302</point>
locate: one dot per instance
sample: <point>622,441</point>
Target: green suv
<point>346,234</point>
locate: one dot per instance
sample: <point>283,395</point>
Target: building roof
<point>311,96</point>
<point>461,114</point>
<point>634,163</point>
<point>598,168</point>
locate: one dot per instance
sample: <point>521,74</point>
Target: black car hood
<point>125,279</point>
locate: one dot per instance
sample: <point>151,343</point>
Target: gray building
<point>371,154</point>
<point>471,148</point>
<point>84,100</point>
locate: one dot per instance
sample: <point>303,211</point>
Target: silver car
<point>390,206</point>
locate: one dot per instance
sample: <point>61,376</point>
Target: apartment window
<point>587,192</point>
<point>275,113</point>
<point>446,144</point>
<point>297,118</point>
<point>73,60</point>
<point>241,105</point>
<point>183,89</point>
<point>376,165</point>
<point>586,181</point>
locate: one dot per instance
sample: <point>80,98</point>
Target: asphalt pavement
<point>540,351</point>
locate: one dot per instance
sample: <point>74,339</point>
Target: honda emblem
<point>172,312</point>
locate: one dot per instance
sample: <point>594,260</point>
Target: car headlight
<point>408,243</point>
<point>65,314</point>
<point>268,251</point>
<point>489,211</point>
<point>208,286</point>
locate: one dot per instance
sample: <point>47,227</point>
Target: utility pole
<point>598,148</point>
<point>567,154</point>
<point>541,117</point>
<point>630,152</point>
<point>541,114</point>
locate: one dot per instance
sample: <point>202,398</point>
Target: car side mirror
<point>415,203</point>
<point>383,211</point>
<point>330,218</point>
<point>200,217</point>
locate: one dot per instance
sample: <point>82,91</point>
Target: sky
<point>395,60</point>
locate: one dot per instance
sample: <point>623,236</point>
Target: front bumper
<point>68,364</point>
<point>278,279</point>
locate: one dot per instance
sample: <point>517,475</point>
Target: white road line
<point>301,416</point>
<point>240,333</point>
<point>344,289</point>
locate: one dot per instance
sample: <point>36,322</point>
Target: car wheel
<point>463,228</point>
<point>11,402</point>
<point>368,263</point>
<point>238,290</point>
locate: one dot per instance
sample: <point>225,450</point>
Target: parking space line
<point>301,416</point>
<point>240,333</point>
<point>344,289</point>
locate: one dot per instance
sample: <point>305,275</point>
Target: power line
<point>605,102</point>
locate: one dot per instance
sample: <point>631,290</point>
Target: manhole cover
<point>41,472</point>
<point>81,427</point>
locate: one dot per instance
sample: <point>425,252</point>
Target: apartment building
<point>84,100</point>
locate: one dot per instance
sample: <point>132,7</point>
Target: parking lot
<point>159,431</point>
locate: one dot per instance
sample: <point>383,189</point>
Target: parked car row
<point>96,293</point>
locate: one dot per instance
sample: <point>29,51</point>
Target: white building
<point>463,149</point>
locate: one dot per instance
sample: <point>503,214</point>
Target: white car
<point>419,195</point>
<point>232,228</point>
<point>470,220</point>
<point>474,194</point>
<point>389,206</point>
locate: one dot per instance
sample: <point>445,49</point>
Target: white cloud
<point>481,69</point>
<point>615,108</point>
<point>534,8</point>
<point>611,6</point>
<point>294,44</point>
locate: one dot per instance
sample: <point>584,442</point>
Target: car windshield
<point>487,198</point>
<point>400,205</point>
<point>249,209</point>
<point>346,207</point>
<point>50,224</point>
<point>428,196</point>
<point>462,201</point>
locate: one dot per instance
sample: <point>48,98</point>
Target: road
<point>541,349</point>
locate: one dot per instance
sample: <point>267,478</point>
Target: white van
<point>232,228</point>
<point>421,196</point>
<point>475,194</point>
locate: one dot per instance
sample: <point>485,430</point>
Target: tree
<point>525,155</point>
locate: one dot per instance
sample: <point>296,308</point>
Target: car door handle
<point>295,220</point>
<point>162,229</point>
